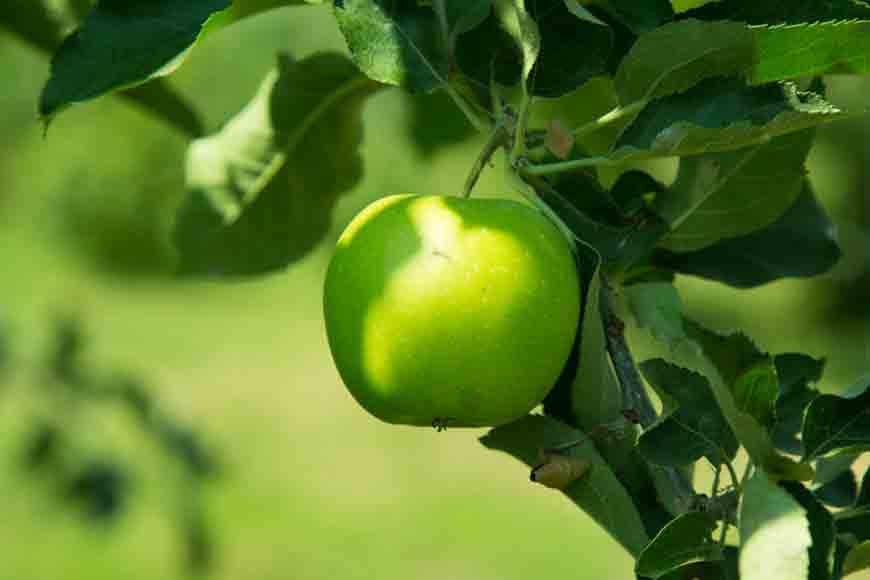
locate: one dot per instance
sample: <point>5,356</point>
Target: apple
<point>450,312</point>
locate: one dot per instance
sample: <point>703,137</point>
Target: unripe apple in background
<point>451,312</point>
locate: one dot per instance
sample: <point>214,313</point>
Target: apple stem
<point>497,139</point>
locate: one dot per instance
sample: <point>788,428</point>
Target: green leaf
<point>397,43</point>
<point>774,533</point>
<point>833,423</point>
<point>678,56</point>
<point>822,530</point>
<point>796,373</point>
<point>800,243</point>
<point>657,307</point>
<point>693,426</point>
<point>575,49</point>
<point>808,50</point>
<point>720,115</point>
<point>599,493</point>
<point>31,21</point>
<point>726,195</point>
<point>123,43</point>
<point>465,15</point>
<point>731,357</point>
<point>260,192</point>
<point>685,540</point>
<point>639,17</point>
<point>618,246</point>
<point>523,30</point>
<point>841,491</point>
<point>756,390</point>
<point>857,559</point>
<point>783,11</point>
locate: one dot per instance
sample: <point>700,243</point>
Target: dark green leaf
<point>721,115</point>
<point>575,48</point>
<point>796,373</point>
<point>694,428</point>
<point>839,492</point>
<point>435,122</point>
<point>30,21</point>
<point>639,17</point>
<point>854,525</point>
<point>397,43</point>
<point>677,56</point>
<point>822,530</point>
<point>726,195</point>
<point>465,15</point>
<point>263,188</point>
<point>800,243</point>
<point>837,47</point>
<point>122,43</point>
<point>783,11</point>
<point>618,246</point>
<point>599,493</point>
<point>685,540</point>
<point>774,533</point>
<point>630,188</point>
<point>833,422</point>
<point>732,356</point>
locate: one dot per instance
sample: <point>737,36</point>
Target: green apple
<point>450,312</point>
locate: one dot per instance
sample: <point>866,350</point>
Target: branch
<point>635,397</point>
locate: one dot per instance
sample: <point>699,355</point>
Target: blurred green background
<point>309,485</point>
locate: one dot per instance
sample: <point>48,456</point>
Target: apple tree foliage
<point>561,89</point>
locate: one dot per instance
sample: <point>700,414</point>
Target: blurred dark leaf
<point>134,393</point>
<point>435,122</point>
<point>575,48</point>
<point>262,189</point>
<point>396,43</point>
<point>833,422</point>
<point>857,559</point>
<point>800,243</point>
<point>100,487</point>
<point>685,540</point>
<point>796,373</point>
<point>691,426</point>
<point>198,540</point>
<point>840,492</point>
<point>42,446</point>
<point>187,447</point>
<point>68,343</point>
<point>822,530</point>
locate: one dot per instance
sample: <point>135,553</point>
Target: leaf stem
<point>609,117</point>
<point>570,165</point>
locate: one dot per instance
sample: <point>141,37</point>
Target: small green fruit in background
<point>450,312</point>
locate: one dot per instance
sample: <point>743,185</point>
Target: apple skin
<point>450,312</point>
